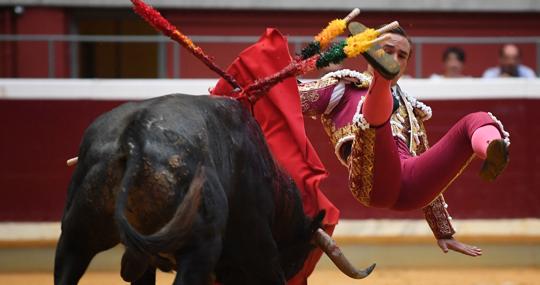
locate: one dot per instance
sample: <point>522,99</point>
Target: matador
<point>378,136</point>
<point>378,133</point>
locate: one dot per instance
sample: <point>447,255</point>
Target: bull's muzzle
<point>330,247</point>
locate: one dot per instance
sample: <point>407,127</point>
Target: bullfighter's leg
<point>86,229</point>
<point>381,176</point>
<point>426,175</point>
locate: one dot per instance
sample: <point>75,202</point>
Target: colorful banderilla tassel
<point>154,18</point>
<point>335,54</point>
<point>349,48</point>
<point>325,37</point>
<point>353,46</point>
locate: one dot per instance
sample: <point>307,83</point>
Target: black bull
<point>186,183</point>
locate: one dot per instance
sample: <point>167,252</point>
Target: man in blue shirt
<point>509,64</point>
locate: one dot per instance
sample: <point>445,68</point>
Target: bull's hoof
<point>496,161</point>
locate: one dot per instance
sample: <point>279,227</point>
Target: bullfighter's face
<point>399,48</point>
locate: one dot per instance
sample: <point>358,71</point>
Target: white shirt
<point>523,71</point>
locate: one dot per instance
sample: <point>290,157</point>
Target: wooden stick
<point>72,161</point>
<point>352,15</point>
<point>388,27</point>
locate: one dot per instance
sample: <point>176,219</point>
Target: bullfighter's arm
<point>321,96</point>
<point>439,221</point>
<point>315,96</point>
<point>438,218</point>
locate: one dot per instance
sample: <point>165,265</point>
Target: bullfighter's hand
<point>452,244</point>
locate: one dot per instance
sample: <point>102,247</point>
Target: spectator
<point>509,64</point>
<point>453,63</point>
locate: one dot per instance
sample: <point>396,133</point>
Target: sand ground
<point>381,276</point>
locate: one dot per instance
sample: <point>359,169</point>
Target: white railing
<point>136,89</point>
<point>297,41</point>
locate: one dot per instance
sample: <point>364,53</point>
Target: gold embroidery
<point>309,93</point>
<point>306,98</point>
<point>424,144</point>
<point>337,134</point>
<point>361,159</point>
<point>362,84</point>
<point>400,124</point>
<point>317,84</point>
<point>361,166</point>
<point>438,218</point>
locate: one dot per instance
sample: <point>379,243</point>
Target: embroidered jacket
<point>338,101</point>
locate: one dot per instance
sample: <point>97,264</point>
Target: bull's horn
<point>72,161</point>
<point>329,246</point>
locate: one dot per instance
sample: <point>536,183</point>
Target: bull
<point>186,183</point>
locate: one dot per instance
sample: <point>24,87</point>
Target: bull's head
<point>332,250</point>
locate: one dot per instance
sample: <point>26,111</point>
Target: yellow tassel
<point>359,43</point>
<point>334,29</point>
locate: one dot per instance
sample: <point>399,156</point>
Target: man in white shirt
<point>509,64</point>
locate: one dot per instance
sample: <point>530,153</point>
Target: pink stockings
<point>481,139</point>
<point>377,108</point>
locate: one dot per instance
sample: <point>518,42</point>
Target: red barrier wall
<point>38,136</point>
<point>515,194</point>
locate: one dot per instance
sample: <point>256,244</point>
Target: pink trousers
<point>405,182</point>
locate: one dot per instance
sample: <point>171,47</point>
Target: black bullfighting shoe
<point>375,55</point>
<point>496,161</point>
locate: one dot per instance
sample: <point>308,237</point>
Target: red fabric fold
<point>280,117</point>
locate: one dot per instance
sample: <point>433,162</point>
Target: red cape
<point>280,117</point>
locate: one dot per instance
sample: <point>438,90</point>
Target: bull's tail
<point>174,234</point>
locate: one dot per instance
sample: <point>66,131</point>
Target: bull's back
<point>168,137</point>
<point>170,121</point>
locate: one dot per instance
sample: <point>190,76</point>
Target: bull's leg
<point>73,255</point>
<point>88,226</point>
<point>86,231</point>
<point>148,278</point>
<point>133,266</point>
<point>70,262</point>
<point>196,264</point>
<point>264,263</point>
<point>254,255</point>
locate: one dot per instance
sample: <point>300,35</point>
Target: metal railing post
<point>176,60</point>
<point>418,60</point>
<point>162,60</point>
<point>538,57</point>
<point>73,51</point>
<point>51,59</point>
